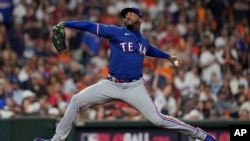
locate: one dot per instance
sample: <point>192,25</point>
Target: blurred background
<point>211,36</point>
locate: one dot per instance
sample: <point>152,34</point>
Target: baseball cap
<point>134,9</point>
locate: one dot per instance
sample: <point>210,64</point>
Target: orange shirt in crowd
<point>201,12</point>
<point>166,71</point>
<point>64,57</point>
<point>149,3</point>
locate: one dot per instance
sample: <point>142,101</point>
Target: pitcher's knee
<point>75,100</point>
<point>79,101</point>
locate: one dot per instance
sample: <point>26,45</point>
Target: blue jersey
<point>127,48</point>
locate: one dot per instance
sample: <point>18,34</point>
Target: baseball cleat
<point>39,139</point>
<point>210,138</point>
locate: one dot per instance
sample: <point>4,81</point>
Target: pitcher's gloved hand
<point>58,38</point>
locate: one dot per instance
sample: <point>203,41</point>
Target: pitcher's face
<point>132,20</point>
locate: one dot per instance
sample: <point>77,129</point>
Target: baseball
<point>176,63</point>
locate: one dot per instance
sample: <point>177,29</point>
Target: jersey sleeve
<point>81,25</point>
<point>109,31</point>
<point>155,52</point>
<point>96,28</point>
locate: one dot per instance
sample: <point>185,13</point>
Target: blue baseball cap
<point>134,9</point>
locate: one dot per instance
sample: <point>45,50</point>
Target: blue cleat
<point>210,138</point>
<point>39,139</point>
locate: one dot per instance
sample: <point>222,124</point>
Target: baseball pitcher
<point>128,47</point>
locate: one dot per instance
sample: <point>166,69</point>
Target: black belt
<point>113,79</point>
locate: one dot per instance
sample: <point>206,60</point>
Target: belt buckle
<point>116,80</point>
<point>111,78</point>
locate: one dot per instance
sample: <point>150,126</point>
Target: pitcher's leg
<point>93,95</point>
<point>139,98</point>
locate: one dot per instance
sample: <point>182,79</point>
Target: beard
<point>132,24</point>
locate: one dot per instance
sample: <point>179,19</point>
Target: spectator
<point>29,105</point>
<point>44,106</point>
<point>90,45</point>
<point>224,106</point>
<point>6,12</point>
<point>165,102</point>
<point>193,115</point>
<point>240,9</point>
<point>215,84</point>
<point>54,87</point>
<point>209,109</point>
<point>100,61</point>
<point>7,112</point>
<point>36,85</point>
<point>3,32</point>
<point>217,7</point>
<point>11,109</point>
<point>182,83</point>
<point>244,108</point>
<point>15,92</point>
<point>190,104</point>
<point>236,80</point>
<point>179,100</point>
<point>244,114</point>
<point>206,94</point>
<point>15,37</point>
<point>208,64</point>
<point>2,93</point>
<point>193,75</point>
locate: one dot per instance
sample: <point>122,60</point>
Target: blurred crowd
<point>211,36</point>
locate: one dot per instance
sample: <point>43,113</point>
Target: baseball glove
<point>58,38</point>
